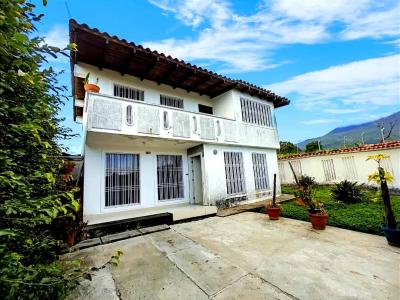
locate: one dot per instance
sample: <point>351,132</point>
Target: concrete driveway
<point>245,256</point>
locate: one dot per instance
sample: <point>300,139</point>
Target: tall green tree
<point>313,146</point>
<point>287,148</point>
<point>32,194</point>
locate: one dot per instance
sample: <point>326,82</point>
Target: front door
<point>196,180</point>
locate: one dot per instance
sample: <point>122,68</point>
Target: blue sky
<point>337,61</point>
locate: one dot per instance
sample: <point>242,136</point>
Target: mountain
<point>334,138</point>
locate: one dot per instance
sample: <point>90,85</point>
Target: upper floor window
<point>128,92</point>
<point>205,109</point>
<point>171,101</point>
<point>256,113</point>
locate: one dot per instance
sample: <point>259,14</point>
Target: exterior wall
<point>152,90</point>
<point>213,172</point>
<point>313,166</point>
<point>94,202</point>
<point>214,175</point>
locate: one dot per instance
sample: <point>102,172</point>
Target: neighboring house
<point>163,134</point>
<point>332,166</point>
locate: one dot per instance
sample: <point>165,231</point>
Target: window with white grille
<point>170,177</point>
<point>128,92</point>
<point>260,170</point>
<point>282,174</point>
<point>171,101</point>
<point>329,169</point>
<point>386,163</point>
<point>256,113</point>
<point>234,173</point>
<point>122,179</point>
<point>349,167</point>
<point>295,165</point>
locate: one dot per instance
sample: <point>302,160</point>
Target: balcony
<point>109,114</point>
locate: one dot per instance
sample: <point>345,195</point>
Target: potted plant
<point>273,209</point>
<point>316,211</point>
<point>90,87</point>
<point>381,177</point>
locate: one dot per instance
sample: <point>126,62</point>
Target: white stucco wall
<point>215,183</point>
<point>94,197</point>
<point>313,166</point>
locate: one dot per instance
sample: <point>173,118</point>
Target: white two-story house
<point>163,135</point>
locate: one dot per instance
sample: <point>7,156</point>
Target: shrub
<point>307,182</point>
<point>33,194</point>
<point>347,192</point>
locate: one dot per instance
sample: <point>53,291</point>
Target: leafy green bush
<point>347,192</point>
<point>33,195</point>
<point>307,182</point>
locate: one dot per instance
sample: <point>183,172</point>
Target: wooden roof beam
<point>202,80</point>
<point>149,68</point>
<point>223,90</point>
<point>165,77</point>
<point>130,60</point>
<point>212,87</point>
<point>105,47</point>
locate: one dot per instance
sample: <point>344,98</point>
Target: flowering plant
<point>382,178</point>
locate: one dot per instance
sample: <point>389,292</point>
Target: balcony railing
<point>116,115</point>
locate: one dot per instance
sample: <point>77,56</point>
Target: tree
<point>287,147</point>
<point>32,193</point>
<point>313,146</point>
<point>381,126</point>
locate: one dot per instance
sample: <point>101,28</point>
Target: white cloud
<point>365,83</point>
<point>319,121</point>
<point>57,36</point>
<point>247,42</point>
<point>343,110</point>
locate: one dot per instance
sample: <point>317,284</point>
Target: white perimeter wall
<point>313,166</point>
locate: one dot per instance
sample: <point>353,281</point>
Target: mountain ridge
<point>370,131</point>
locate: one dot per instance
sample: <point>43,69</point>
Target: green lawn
<point>365,216</point>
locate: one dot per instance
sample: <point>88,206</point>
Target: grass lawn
<point>365,216</point>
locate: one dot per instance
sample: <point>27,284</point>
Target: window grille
<point>386,163</point>
<point>296,165</point>
<point>350,167</point>
<point>171,101</point>
<point>170,177</point>
<point>129,115</point>
<point>122,179</point>
<point>256,113</point>
<point>260,170</point>
<point>282,174</point>
<point>128,92</point>
<point>329,169</point>
<point>234,173</point>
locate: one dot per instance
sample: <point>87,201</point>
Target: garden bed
<point>365,216</point>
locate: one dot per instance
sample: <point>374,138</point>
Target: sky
<point>337,61</point>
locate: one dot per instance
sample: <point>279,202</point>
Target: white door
<point>196,181</point>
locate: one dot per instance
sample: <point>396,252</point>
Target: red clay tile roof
<point>371,147</point>
<point>105,51</point>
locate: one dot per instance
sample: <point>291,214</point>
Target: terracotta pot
<point>90,87</point>
<point>71,239</point>
<point>273,212</point>
<point>318,221</point>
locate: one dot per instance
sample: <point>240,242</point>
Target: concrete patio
<point>245,256</point>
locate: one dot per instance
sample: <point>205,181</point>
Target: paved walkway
<point>245,256</point>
